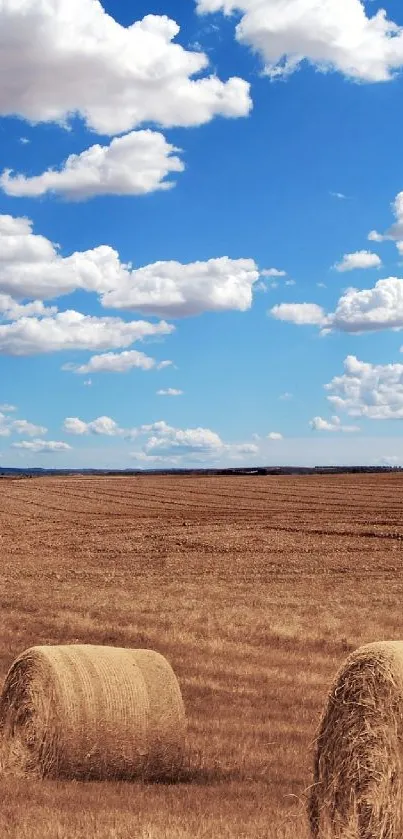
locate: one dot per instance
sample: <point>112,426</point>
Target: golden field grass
<point>254,588</point>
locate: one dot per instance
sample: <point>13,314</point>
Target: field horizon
<point>255,590</point>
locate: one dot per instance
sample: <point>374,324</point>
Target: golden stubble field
<point>254,588</point>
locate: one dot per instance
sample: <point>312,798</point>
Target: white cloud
<point>25,427</point>
<point>11,310</point>
<point>370,309</point>
<point>10,426</point>
<point>302,314</point>
<point>167,440</point>
<point>368,390</point>
<point>42,446</point>
<point>163,440</point>
<point>359,259</point>
<point>178,290</point>
<point>334,424</point>
<point>150,459</point>
<point>73,331</point>
<point>70,56</point>
<point>4,426</point>
<point>272,272</point>
<point>169,391</point>
<point>24,141</point>
<point>87,383</point>
<point>339,195</point>
<point>100,426</point>
<point>135,164</point>
<point>290,282</point>
<point>237,449</point>
<point>275,435</point>
<point>285,397</point>
<point>31,267</point>
<point>115,363</point>
<point>332,35</point>
<point>375,308</point>
<point>374,236</point>
<point>395,232</point>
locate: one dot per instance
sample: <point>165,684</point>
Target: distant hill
<point>9,472</point>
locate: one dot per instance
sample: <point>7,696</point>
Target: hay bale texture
<point>358,772</point>
<point>90,712</point>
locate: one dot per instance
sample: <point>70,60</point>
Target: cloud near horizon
<point>162,439</point>
<point>42,446</point>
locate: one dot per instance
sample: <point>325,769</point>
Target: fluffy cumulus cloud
<point>31,267</point>
<point>334,424</point>
<point>42,446</point>
<point>11,310</point>
<point>368,390</point>
<point>101,426</point>
<point>162,440</point>
<point>302,314</point>
<point>135,164</point>
<point>6,408</point>
<point>25,427</point>
<point>359,259</point>
<point>340,35</point>
<point>9,426</point>
<point>370,309</point>
<point>117,363</point>
<point>275,435</point>
<point>165,439</point>
<point>71,57</point>
<point>395,232</point>
<point>365,310</point>
<point>171,289</point>
<point>73,331</point>
<point>204,443</point>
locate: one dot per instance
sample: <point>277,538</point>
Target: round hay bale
<point>358,771</point>
<point>90,712</point>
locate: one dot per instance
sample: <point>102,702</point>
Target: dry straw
<point>87,712</point>
<point>358,789</point>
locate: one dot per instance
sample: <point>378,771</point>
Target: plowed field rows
<point>254,588</point>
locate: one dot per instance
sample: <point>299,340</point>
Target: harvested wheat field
<point>254,589</point>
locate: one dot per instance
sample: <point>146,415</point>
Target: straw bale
<point>358,771</point>
<point>85,712</point>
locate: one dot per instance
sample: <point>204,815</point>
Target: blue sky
<point>257,303</point>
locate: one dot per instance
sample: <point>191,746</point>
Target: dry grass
<point>254,589</point>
